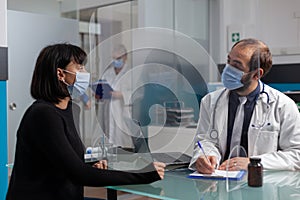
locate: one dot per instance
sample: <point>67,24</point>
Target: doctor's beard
<point>247,81</point>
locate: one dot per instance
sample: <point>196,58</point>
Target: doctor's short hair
<point>45,84</point>
<point>261,54</point>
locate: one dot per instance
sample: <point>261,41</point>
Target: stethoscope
<point>214,134</point>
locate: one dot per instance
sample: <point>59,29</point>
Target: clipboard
<point>102,89</point>
<point>220,175</point>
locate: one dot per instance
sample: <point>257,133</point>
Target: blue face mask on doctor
<point>231,77</point>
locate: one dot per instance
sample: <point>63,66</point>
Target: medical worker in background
<point>117,77</point>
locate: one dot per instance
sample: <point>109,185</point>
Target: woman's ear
<point>60,74</point>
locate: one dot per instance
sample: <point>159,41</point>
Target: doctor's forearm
<point>281,160</point>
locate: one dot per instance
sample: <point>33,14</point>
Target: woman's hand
<point>160,168</point>
<point>102,164</point>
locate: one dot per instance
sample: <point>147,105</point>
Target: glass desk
<point>279,185</point>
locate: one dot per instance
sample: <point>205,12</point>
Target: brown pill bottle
<point>255,172</point>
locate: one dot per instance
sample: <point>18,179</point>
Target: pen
<point>203,152</point>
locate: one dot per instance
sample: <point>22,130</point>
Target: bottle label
<point>255,176</point>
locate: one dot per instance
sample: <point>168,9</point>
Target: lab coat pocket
<point>266,142</point>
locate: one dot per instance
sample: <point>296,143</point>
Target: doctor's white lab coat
<point>273,134</point>
<point>119,133</point>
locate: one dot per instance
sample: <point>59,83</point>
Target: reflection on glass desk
<point>279,185</point>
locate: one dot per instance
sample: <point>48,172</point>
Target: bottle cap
<point>255,159</point>
<point>89,150</point>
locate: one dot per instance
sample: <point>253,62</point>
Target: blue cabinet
<point>3,140</point>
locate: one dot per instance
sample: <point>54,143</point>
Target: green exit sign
<point>235,37</point>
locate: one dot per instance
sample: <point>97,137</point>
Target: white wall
<point>71,5</point>
<point>47,7</point>
<point>272,21</point>
<point>156,13</point>
<point>196,14</point>
<point>189,16</point>
<point>3,24</point>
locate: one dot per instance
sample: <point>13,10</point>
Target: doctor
<point>270,128</point>
<point>117,77</point>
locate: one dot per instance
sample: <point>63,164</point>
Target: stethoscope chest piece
<point>214,134</point>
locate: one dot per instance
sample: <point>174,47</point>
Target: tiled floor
<point>98,192</point>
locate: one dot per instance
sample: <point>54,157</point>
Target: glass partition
<point>167,67</point>
<point>146,70</point>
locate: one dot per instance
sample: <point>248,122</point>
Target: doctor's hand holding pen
<point>205,164</point>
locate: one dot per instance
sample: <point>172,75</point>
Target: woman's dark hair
<point>45,84</point>
<point>261,54</point>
